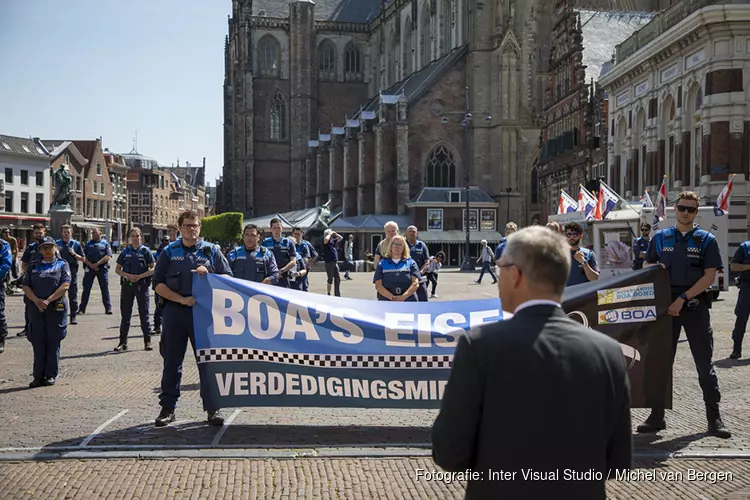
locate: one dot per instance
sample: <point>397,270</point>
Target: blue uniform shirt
<point>396,276</point>
<point>303,249</point>
<point>253,265</point>
<point>742,256</point>
<point>310,249</point>
<point>136,260</point>
<point>67,250</point>
<point>32,253</point>
<point>500,248</point>
<point>97,250</point>
<point>686,257</point>
<point>46,277</point>
<point>330,250</point>
<point>640,244</point>
<point>6,259</point>
<point>419,253</point>
<point>577,274</point>
<point>284,251</point>
<point>177,262</point>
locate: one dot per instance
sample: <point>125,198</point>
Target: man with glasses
<point>173,280</point>
<point>584,267</point>
<point>691,257</point>
<point>640,246</point>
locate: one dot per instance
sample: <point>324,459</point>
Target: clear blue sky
<point>81,69</point>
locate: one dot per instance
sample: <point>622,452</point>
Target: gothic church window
<point>352,63</point>
<point>534,185</point>
<point>326,60</point>
<point>278,118</point>
<point>446,28</point>
<point>408,48</point>
<point>440,170</point>
<point>425,36</point>
<point>269,52</point>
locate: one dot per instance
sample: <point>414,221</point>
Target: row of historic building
<point>112,192</point>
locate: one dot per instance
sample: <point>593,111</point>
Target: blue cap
<point>47,240</point>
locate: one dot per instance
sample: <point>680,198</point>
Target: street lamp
<point>468,117</point>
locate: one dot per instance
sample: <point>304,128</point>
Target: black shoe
<point>157,331</point>
<point>149,347</point>
<point>22,333</point>
<point>494,282</point>
<point>717,428</point>
<point>121,347</point>
<point>82,310</point>
<point>652,424</point>
<point>73,320</point>
<point>108,311</point>
<point>736,351</point>
<point>215,418</point>
<point>2,346</point>
<point>166,417</point>
<point>49,381</point>
<point>35,383</point>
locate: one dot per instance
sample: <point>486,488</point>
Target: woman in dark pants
<point>397,275</point>
<point>433,268</point>
<point>45,285</point>
<point>331,240</point>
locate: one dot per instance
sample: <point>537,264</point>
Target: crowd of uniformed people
<point>404,269</point>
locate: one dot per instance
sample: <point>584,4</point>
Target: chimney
<point>204,162</point>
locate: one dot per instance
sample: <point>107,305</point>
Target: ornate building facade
<point>363,103</point>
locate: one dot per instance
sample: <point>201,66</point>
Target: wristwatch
<point>684,297</point>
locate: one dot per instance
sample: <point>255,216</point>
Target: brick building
<point>680,105</point>
<point>118,172</point>
<point>155,200</point>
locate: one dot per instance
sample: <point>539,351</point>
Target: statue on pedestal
<point>63,186</point>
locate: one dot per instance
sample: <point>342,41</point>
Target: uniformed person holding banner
<point>691,256</point>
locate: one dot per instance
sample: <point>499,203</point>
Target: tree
<point>224,230</point>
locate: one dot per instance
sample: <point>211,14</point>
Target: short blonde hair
<point>400,238</point>
<point>511,226</point>
<point>690,196</point>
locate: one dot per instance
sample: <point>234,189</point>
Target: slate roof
<point>441,195</point>
<point>16,145</point>
<point>370,222</point>
<point>305,219</point>
<point>56,148</point>
<point>415,85</point>
<point>86,148</point>
<point>348,11</point>
<point>602,31</point>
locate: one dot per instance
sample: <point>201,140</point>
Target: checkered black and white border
<point>325,360</point>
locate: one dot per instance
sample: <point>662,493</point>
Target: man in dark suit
<point>535,394</point>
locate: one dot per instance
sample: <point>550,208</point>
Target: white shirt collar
<point>536,302</point>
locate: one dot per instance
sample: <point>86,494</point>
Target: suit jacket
<point>536,393</point>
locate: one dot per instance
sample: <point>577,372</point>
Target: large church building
<point>368,102</point>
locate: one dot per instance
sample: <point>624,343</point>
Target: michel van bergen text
<point>649,475</point>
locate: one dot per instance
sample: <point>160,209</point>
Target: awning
<point>87,225</point>
<point>459,236</point>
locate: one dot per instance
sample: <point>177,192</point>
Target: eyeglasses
<point>191,226</point>
<point>685,208</point>
<point>508,265</point>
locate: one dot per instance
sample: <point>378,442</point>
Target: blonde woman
<point>391,230</point>
<point>397,275</point>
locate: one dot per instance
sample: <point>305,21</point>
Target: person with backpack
<point>486,256</point>
<point>135,266</point>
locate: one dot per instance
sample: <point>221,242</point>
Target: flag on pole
<point>646,200</point>
<point>586,202</point>
<point>566,204</point>
<point>721,207</point>
<point>660,212</point>
<point>607,201</point>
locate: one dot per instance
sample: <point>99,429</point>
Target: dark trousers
<point>102,275</point>
<point>742,311</point>
<point>47,329</point>
<point>487,268</point>
<point>306,282</point>
<point>140,293</point>
<point>73,291</point>
<point>158,312</point>
<point>349,267</point>
<point>3,321</point>
<point>432,278</point>
<point>177,331</point>
<point>421,292</point>
<point>296,284</point>
<point>700,336</point>
<point>334,277</point>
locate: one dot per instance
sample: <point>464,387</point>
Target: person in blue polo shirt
<point>6,260</point>
<point>135,266</point>
<point>45,284</point>
<point>510,228</point>
<point>71,252</point>
<point>173,280</point>
<point>420,254</point>
<point>584,267</point>
<point>252,262</point>
<point>283,250</point>
<point>98,254</point>
<point>640,246</point>
<point>397,275</point>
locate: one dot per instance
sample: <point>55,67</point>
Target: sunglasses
<point>684,208</point>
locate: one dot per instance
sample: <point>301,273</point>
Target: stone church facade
<point>364,103</point>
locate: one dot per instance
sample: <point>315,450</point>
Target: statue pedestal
<point>58,217</point>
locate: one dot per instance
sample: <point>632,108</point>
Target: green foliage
<point>224,229</point>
